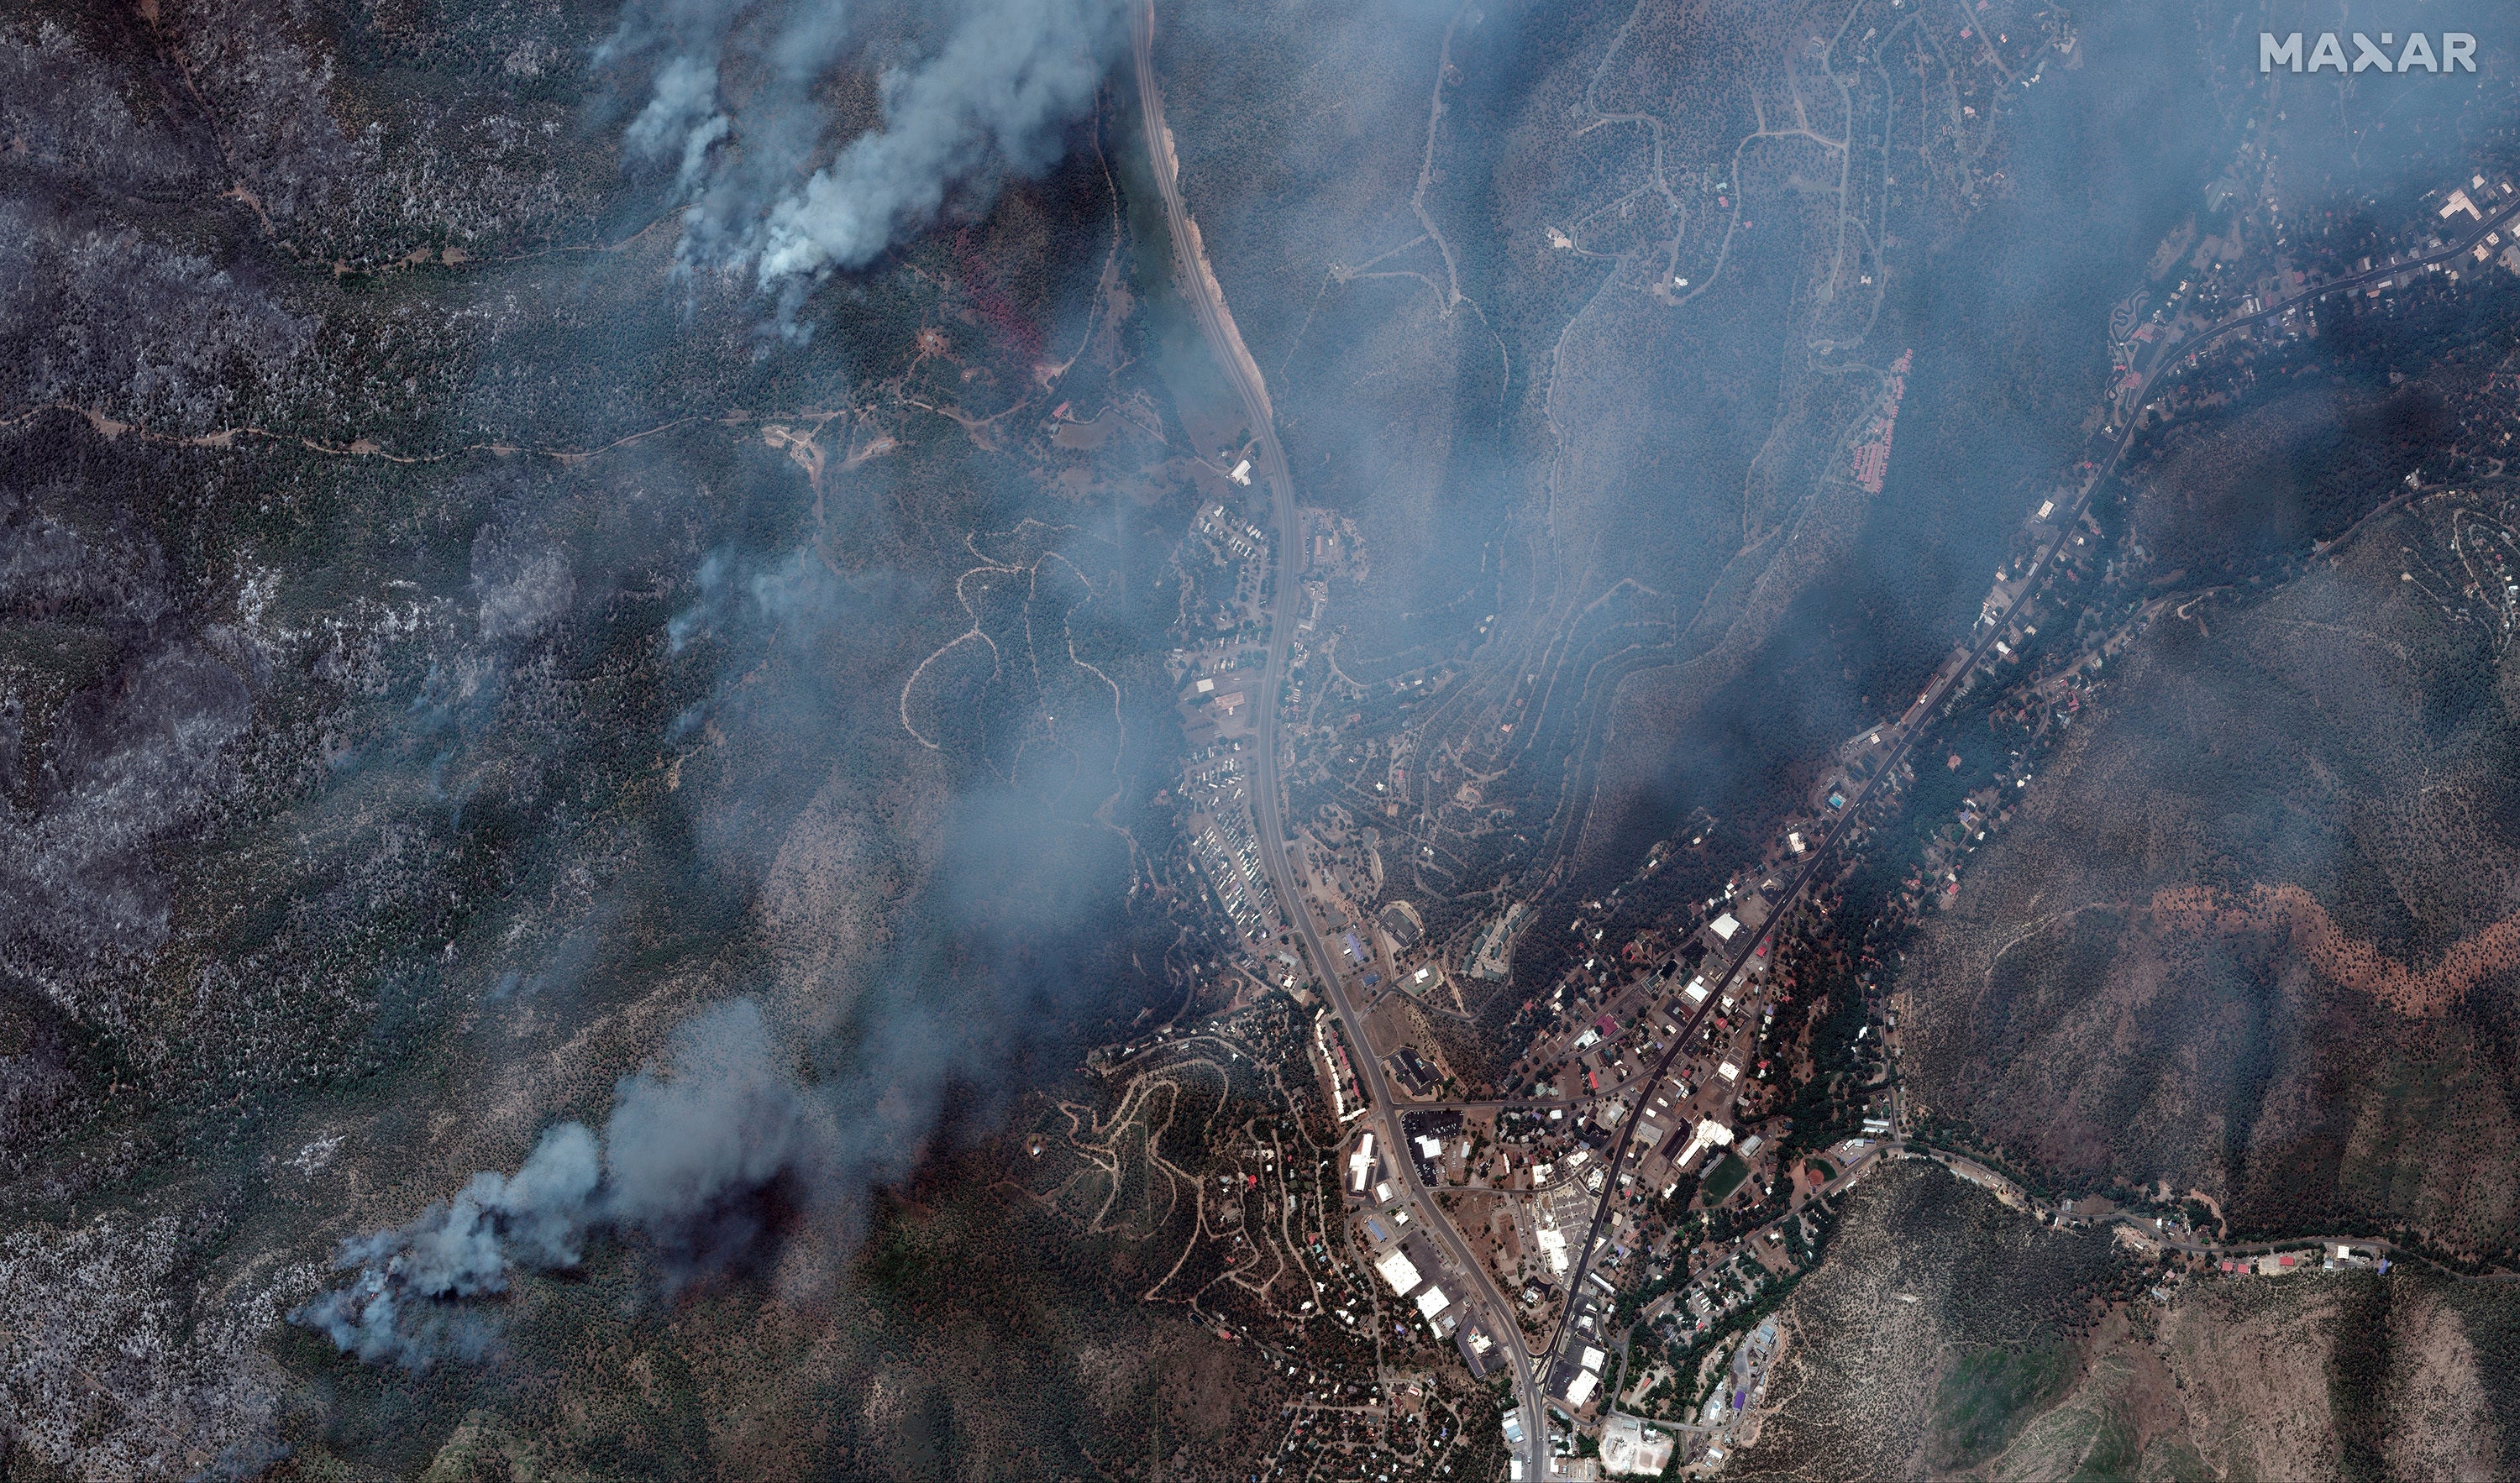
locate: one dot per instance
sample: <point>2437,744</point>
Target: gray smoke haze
<point>779,52</point>
<point>694,1161</point>
<point>1014,75</point>
<point>522,589</point>
<point>682,118</point>
<point>698,1162</point>
<point>993,99</point>
<point>399,1309</point>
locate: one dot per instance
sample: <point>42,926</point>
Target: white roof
<point>1725,926</point>
<point>1582,1390</point>
<point>1696,990</point>
<point>1709,1133</point>
<point>1432,1302</point>
<point>1592,1358</point>
<point>1432,1147</point>
<point>1397,1270</point>
<point>1728,1070</point>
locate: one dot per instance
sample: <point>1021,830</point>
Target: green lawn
<point>1726,1178</point>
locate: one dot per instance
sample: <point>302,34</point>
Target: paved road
<point>1271,466</point>
<point>2493,220</point>
<point>1910,726</point>
<point>1501,1104</point>
<point>1269,463</point>
<point>1906,730</point>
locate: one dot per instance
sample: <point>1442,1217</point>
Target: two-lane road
<point>1911,725</point>
<point>1269,463</point>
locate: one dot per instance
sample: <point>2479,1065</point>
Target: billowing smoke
<point>695,1161</point>
<point>783,51</point>
<point>1014,75</point>
<point>398,1308</point>
<point>994,99</point>
<point>680,119</point>
<point>699,1163</point>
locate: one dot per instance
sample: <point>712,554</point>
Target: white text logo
<point>2457,52</point>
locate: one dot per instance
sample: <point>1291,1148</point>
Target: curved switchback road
<point>1268,463</point>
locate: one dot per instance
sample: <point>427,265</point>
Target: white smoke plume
<point>681,117</point>
<point>698,1162</point>
<point>684,118</point>
<point>398,1308</point>
<point>1008,81</point>
<point>695,1161</point>
<point>993,99</point>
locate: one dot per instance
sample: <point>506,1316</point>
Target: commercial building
<point>1360,1165</point>
<point>1709,1133</point>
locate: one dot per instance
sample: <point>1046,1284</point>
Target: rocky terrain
<point>1948,1337</point>
<point>2249,931</point>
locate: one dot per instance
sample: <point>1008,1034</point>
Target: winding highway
<point>1206,300</point>
<point>1269,463</point>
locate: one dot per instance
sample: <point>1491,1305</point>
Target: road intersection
<point>1904,733</point>
<point>1269,465</point>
